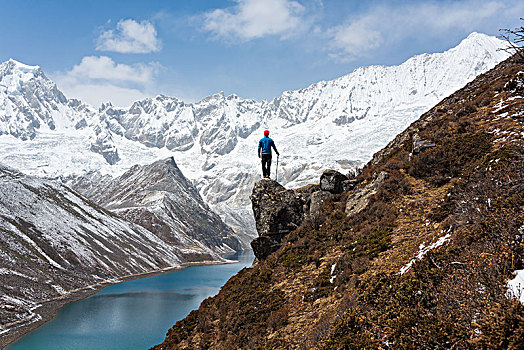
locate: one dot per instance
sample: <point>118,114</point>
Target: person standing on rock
<point>264,152</point>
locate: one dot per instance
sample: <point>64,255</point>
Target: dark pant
<point>266,165</point>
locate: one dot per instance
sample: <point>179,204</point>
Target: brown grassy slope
<point>467,191</point>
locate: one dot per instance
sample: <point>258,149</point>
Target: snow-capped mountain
<point>331,124</point>
<point>53,242</point>
<point>31,105</point>
<point>159,198</point>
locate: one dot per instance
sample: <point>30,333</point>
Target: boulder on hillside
<point>332,181</point>
<point>277,210</point>
<point>419,144</point>
<point>317,201</point>
<point>359,198</point>
<point>263,246</point>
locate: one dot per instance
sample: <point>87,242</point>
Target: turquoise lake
<point>132,315</point>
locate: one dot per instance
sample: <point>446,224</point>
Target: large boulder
<point>277,211</point>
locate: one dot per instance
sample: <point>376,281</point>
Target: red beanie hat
<point>266,132</point>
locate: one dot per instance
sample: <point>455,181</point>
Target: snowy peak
<point>480,39</point>
<point>16,77</point>
<point>28,100</point>
<point>15,68</point>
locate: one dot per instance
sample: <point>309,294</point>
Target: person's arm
<point>275,148</point>
<point>259,147</point>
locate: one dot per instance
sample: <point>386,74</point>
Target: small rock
<point>332,181</point>
<point>348,185</point>
<point>420,144</point>
<point>317,200</point>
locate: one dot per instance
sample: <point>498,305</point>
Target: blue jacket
<point>265,145</point>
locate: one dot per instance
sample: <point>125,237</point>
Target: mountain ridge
<point>211,139</point>
<point>159,198</point>
<point>57,246</point>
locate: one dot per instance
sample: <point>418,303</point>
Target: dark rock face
<point>332,181</point>
<point>277,212</point>
<point>109,152</point>
<point>265,245</point>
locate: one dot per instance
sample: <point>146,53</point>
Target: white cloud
<point>355,37</point>
<point>130,36</point>
<point>385,24</point>
<point>103,67</point>
<point>99,79</point>
<point>96,94</point>
<point>251,19</point>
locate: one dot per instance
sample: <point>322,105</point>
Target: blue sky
<point>121,51</point>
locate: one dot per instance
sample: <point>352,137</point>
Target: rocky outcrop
<point>419,144</point>
<point>104,145</point>
<point>359,198</point>
<point>332,181</point>
<point>279,211</point>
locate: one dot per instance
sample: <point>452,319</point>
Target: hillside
<point>214,140</point>
<point>417,254</point>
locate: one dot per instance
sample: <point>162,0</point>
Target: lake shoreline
<point>48,310</point>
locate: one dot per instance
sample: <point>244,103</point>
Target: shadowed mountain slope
<point>159,198</point>
<point>54,242</point>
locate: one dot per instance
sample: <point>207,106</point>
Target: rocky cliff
<point>278,211</point>
<point>424,252</point>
